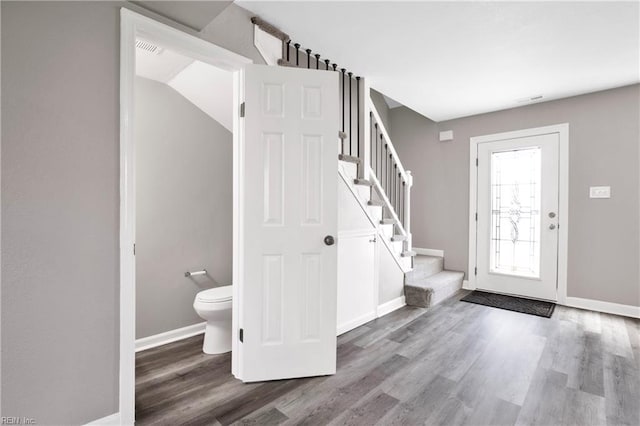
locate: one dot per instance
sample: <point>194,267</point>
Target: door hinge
<point>242,109</point>
<point>475,271</point>
<point>134,249</point>
<point>476,216</point>
<point>241,335</point>
<point>476,162</point>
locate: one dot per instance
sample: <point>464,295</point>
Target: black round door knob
<point>329,240</point>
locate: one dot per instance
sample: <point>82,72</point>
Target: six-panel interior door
<point>288,268</point>
<point>517,240</point>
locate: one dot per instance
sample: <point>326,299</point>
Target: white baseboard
<point>348,326</point>
<point>428,252</point>
<point>169,336</point>
<point>606,307</point>
<point>466,286</point>
<point>390,306</point>
<point>110,420</point>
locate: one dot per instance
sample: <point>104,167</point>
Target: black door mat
<point>511,303</point>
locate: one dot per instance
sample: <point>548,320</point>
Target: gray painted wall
<point>60,204</point>
<point>604,235</point>
<point>383,109</point>
<point>184,206</point>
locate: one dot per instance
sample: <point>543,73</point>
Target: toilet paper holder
<point>195,273</point>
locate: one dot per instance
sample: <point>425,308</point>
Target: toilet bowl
<point>214,306</point>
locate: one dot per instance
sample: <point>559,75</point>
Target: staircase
<point>429,283</point>
<point>375,209</point>
<point>373,172</point>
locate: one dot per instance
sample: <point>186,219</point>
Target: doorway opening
<point>518,209</point>
<point>178,133</point>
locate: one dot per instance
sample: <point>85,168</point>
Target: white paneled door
<point>287,168</point>
<point>517,206</point>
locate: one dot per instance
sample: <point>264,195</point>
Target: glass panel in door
<point>515,212</point>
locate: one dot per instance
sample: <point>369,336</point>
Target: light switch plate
<point>600,192</point>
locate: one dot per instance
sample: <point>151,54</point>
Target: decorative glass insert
<point>515,212</point>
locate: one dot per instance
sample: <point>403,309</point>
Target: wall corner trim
<point>429,252</point>
<point>112,419</point>
<point>169,336</point>
<point>391,306</point>
<point>605,307</point>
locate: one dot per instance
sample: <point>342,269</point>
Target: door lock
<point>552,215</point>
<point>552,226</point>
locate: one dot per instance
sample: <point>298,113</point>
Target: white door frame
<point>132,25</point>
<point>563,192</point>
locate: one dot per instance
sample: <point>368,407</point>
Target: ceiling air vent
<point>149,47</point>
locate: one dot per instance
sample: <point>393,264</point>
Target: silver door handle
<point>552,226</point>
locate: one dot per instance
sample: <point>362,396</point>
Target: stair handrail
<point>387,139</point>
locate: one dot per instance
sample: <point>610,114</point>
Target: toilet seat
<point>215,295</point>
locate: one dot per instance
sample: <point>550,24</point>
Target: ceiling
<point>207,87</point>
<point>194,14</point>
<point>453,59</point>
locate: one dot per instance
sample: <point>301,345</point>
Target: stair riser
<point>443,294</point>
<point>427,266</point>
<point>387,230</point>
<point>364,192</point>
<point>349,169</point>
<point>398,246</point>
<point>375,212</point>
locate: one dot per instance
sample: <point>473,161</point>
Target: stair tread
<point>439,280</point>
<point>362,182</point>
<point>408,253</point>
<point>426,257</point>
<point>348,158</point>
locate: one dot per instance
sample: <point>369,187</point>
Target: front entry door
<point>286,274</point>
<point>517,206</point>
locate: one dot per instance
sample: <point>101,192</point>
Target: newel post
<point>364,139</point>
<point>407,210</point>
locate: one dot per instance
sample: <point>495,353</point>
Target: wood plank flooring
<point>456,364</point>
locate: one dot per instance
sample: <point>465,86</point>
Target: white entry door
<point>287,168</point>
<point>517,206</point>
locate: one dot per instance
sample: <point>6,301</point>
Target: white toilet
<point>214,306</point>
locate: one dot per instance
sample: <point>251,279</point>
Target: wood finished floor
<point>456,364</point>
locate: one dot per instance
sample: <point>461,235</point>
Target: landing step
<point>399,238</point>
<point>434,289</point>
<point>408,253</point>
<point>348,158</point>
<point>423,268</point>
<point>388,222</point>
<point>363,182</point>
<point>377,203</point>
